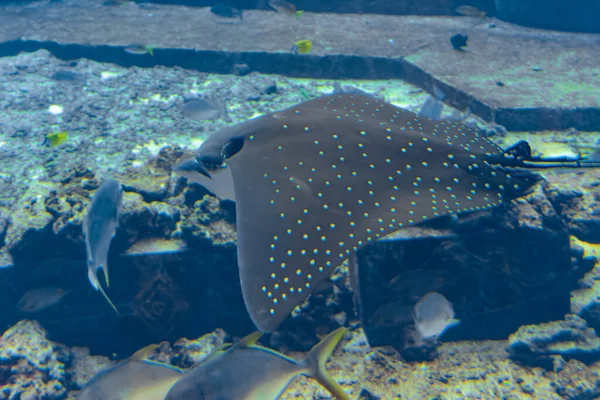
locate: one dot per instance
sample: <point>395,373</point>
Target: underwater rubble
<point>555,342</point>
<point>32,366</point>
<point>506,76</point>
<point>37,368</point>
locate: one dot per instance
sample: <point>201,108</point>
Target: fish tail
<point>96,285</point>
<point>438,93</point>
<point>317,357</point>
<point>549,163</point>
<point>92,276</point>
<point>104,269</point>
<point>108,299</point>
<point>142,354</point>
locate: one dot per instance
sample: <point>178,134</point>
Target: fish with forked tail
<point>99,227</point>
<point>41,298</point>
<point>247,371</point>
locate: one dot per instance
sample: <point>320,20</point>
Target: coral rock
<point>571,339</point>
<point>32,367</point>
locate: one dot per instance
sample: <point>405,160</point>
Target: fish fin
<point>317,357</point>
<point>93,273</point>
<point>93,278</point>
<point>438,93</point>
<point>108,299</point>
<point>453,322</point>
<point>105,272</point>
<point>143,353</point>
<point>96,285</point>
<point>248,341</point>
<point>219,350</point>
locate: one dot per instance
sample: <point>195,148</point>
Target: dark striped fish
<point>320,180</point>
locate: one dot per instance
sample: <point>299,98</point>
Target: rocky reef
<point>555,342</point>
<point>32,366</point>
<point>37,368</point>
<point>501,269</point>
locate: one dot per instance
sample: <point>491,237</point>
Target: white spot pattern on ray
<point>432,198</point>
<point>331,175</point>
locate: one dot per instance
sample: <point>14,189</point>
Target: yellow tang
<point>302,47</point>
<point>55,138</point>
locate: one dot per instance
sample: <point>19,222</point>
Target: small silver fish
<point>40,298</point>
<point>349,89</point>
<point>470,11</point>
<point>392,315</point>
<point>139,49</point>
<point>416,233</point>
<point>433,106</point>
<point>203,109</point>
<point>156,246</point>
<point>247,371</point>
<point>99,227</point>
<point>225,11</point>
<point>133,379</point>
<point>285,7</point>
<point>433,314</point>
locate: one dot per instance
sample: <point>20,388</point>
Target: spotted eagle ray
<point>322,179</point>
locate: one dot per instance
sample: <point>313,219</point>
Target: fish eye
<point>232,147</point>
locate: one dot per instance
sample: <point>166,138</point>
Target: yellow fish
<point>55,138</point>
<point>302,47</point>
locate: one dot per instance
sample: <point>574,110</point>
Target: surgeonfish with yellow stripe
<point>302,47</point>
<point>247,371</point>
<point>319,180</point>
